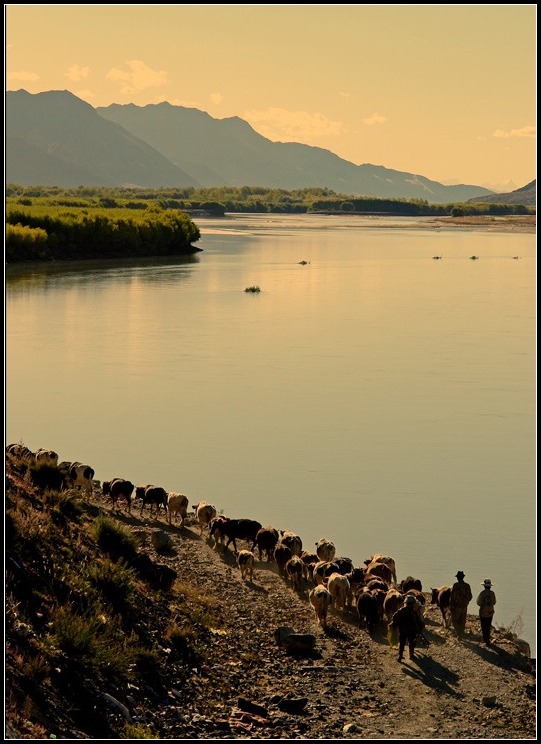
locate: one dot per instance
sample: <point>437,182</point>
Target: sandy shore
<point>507,223</point>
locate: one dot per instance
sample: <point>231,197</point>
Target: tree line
<point>58,234</point>
<point>54,223</point>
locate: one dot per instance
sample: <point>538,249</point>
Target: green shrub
<point>138,731</point>
<point>183,640</point>
<point>96,642</point>
<point>114,538</point>
<point>114,581</point>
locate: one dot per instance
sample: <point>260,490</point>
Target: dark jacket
<point>408,621</point>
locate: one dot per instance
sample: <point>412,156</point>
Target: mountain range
<point>56,139</point>
<point>526,195</point>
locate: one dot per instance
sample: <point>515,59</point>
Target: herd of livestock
<point>371,590</point>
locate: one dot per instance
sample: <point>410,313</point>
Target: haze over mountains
<point>57,139</point>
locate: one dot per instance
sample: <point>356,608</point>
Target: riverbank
<point>507,223</point>
<point>212,666</point>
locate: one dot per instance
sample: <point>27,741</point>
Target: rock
<point>280,634</point>
<point>350,728</point>
<point>250,707</point>
<point>295,642</point>
<point>489,701</point>
<point>161,541</point>
<point>293,705</point>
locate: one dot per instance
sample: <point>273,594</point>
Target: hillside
<point>526,195</point>
<point>107,640</point>
<point>57,139</point>
<point>55,136</point>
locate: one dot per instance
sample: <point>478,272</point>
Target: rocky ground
<point>351,686</point>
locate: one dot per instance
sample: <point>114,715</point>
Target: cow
<point>20,451</point>
<point>215,530</point>
<point>338,586</point>
<point>325,549</point>
<point>377,584</point>
<point>294,570</point>
<point>380,595</point>
<point>323,570</point>
<point>393,601</point>
<point>421,601</point>
<point>154,496</point>
<point>293,541</point>
<point>367,610</point>
<point>356,581</point>
<point>118,489</point>
<point>442,597</point>
<point>177,504</point>
<point>266,540</point>
<point>380,571</point>
<point>281,555</point>
<point>387,560</point>
<point>46,457</point>
<point>245,562</point>
<point>410,583</point>
<point>81,475</point>
<point>310,560</point>
<point>204,512</point>
<point>345,565</point>
<point>320,599</point>
<point>239,529</point>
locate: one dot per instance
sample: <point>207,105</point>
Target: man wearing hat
<point>461,596</point>
<point>486,601</point>
<point>409,623</point>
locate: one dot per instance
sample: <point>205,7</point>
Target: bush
<point>114,581</point>
<point>114,538</point>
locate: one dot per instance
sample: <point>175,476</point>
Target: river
<point>370,393</point>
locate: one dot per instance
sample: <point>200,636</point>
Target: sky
<point>443,91</point>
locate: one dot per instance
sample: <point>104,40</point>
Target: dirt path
<point>354,685</point>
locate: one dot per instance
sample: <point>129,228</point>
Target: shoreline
<point>508,223</point>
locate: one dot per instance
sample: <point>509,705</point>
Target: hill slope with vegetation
<point>525,195</point>
<point>120,626</point>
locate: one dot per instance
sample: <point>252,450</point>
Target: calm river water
<point>375,396</point>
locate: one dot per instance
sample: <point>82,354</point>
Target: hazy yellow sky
<point>443,91</point>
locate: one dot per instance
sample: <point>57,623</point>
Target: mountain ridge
<point>55,132</point>
<point>526,194</point>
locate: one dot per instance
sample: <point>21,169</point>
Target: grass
<point>114,538</point>
<point>115,582</point>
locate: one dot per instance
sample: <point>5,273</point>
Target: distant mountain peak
<point>163,144</point>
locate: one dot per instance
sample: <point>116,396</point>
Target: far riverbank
<point>523,223</point>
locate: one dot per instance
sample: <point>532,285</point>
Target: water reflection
<point>61,273</point>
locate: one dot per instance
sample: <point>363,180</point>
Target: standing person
<point>461,596</point>
<point>409,624</point>
<point>486,601</point>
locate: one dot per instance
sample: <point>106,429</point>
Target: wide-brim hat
<point>487,582</point>
<point>460,574</point>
